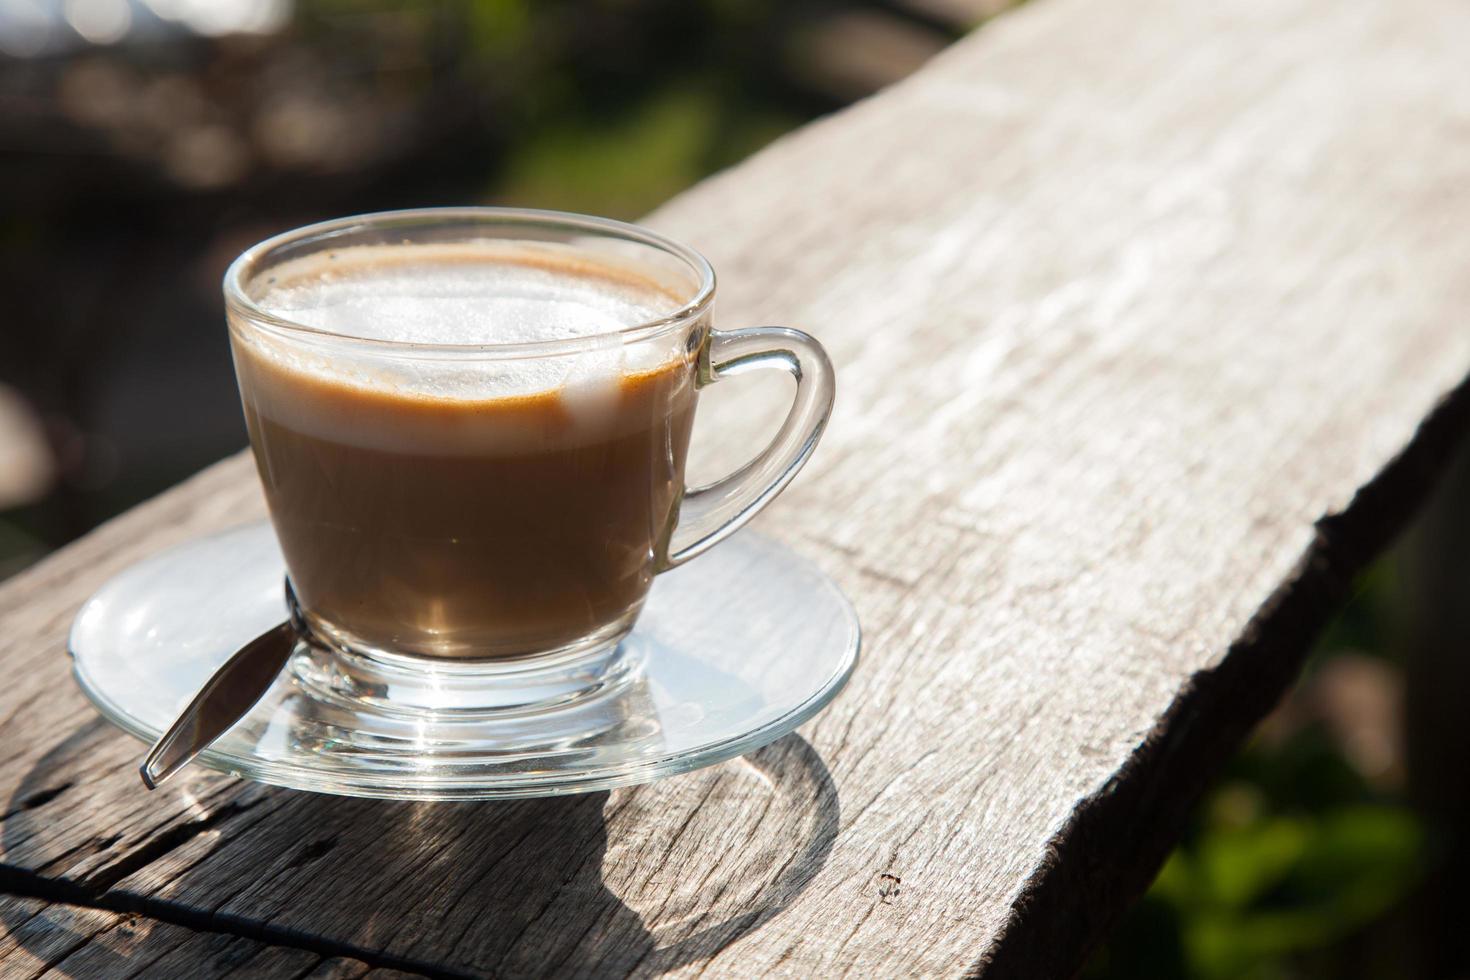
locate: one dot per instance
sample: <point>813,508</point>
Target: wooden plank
<point>1138,321</point>
<point>37,935</point>
<point>42,938</point>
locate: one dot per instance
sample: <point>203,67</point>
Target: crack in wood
<point>39,798</point>
<point>26,885</point>
<point>98,890</point>
<point>314,851</point>
<point>170,840</point>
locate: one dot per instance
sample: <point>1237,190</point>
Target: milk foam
<point>461,295</point>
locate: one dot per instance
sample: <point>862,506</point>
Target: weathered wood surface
<point>1139,315</point>
<point>46,939</point>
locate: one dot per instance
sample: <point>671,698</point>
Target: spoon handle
<point>221,702</point>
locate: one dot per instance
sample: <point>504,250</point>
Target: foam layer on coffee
<point>461,294</point>
<point>464,294</point>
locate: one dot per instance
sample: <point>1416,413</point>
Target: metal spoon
<point>226,697</point>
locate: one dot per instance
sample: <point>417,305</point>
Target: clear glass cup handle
<point>711,513</point>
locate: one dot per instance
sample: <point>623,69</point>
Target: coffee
<point>462,507</point>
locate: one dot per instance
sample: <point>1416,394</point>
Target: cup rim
<point>237,301</point>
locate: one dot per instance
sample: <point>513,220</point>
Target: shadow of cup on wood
<point>751,835</point>
<point>570,886</point>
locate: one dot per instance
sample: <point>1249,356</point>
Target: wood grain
<point>39,938</point>
<point>1150,329</point>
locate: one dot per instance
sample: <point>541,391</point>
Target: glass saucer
<point>732,651</point>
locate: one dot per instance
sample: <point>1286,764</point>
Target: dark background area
<point>144,143</point>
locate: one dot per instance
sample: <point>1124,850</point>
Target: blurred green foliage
<point>1293,855</point>
<point>626,165</point>
<point>1244,900</point>
<point>616,105</point>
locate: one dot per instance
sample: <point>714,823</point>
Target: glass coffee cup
<point>471,427</point>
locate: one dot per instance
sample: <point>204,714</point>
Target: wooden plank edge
<point>1113,845</point>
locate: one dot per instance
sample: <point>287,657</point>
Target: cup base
<point>595,666</point>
